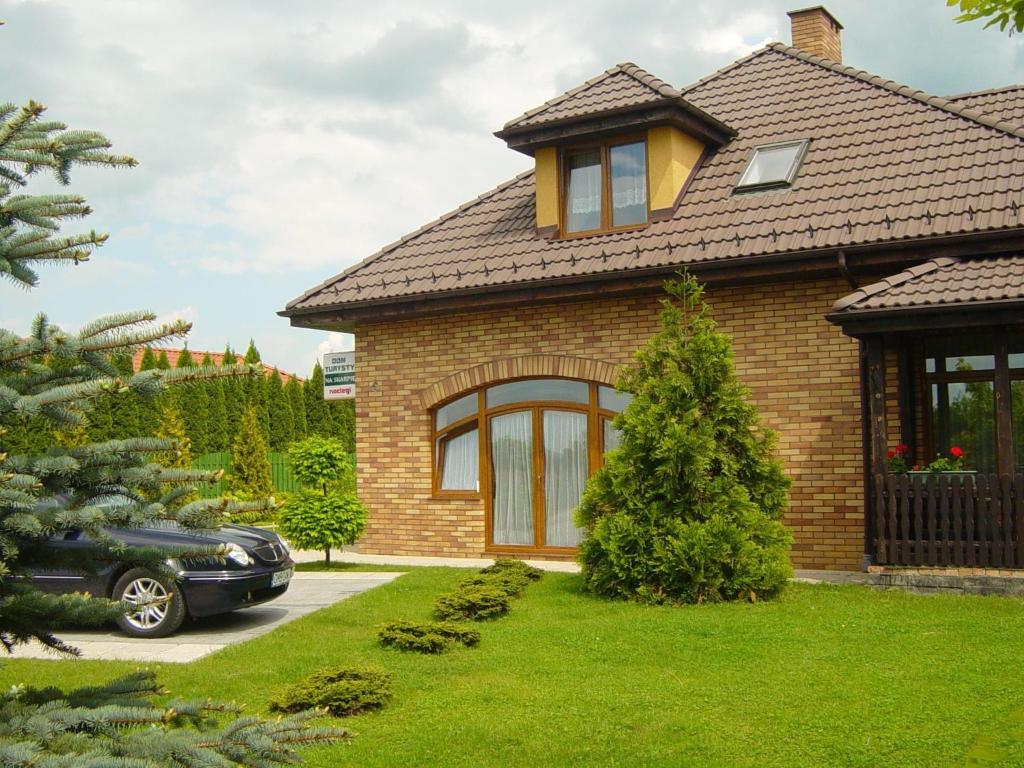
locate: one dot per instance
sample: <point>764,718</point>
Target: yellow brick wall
<point>801,370</point>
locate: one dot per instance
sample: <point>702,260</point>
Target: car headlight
<point>283,543</point>
<point>238,555</point>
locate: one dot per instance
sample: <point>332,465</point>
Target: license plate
<point>281,577</point>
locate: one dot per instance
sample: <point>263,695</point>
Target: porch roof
<point>938,287</point>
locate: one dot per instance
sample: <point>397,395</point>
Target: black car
<point>253,566</point>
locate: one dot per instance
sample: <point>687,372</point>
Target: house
<point>859,240</point>
<point>217,359</point>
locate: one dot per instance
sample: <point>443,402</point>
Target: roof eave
<point>672,110</point>
<point>927,317</point>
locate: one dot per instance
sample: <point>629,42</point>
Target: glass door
<point>513,476</point>
<point>539,468</point>
<point>565,474</point>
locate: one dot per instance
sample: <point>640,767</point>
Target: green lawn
<point>825,676</point>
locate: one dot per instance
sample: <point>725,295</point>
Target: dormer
<point>612,154</point>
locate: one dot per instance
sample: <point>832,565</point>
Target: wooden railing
<point>949,520</point>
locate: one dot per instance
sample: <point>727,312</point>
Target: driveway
<point>308,592</point>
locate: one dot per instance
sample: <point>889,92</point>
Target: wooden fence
<point>280,472</point>
<point>949,520</point>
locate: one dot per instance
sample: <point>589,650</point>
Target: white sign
<point>339,375</point>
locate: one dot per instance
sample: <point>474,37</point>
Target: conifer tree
<point>172,428</point>
<point>195,406</point>
<point>234,398</point>
<point>148,419</point>
<point>282,426</point>
<point>689,507</point>
<point>148,360</point>
<point>250,469</point>
<point>255,390</point>
<point>252,355</point>
<point>163,363</point>
<point>57,376</point>
<point>298,402</point>
<point>258,397</point>
<point>217,422</point>
<point>125,407</point>
<point>344,420</point>
<point>317,418</point>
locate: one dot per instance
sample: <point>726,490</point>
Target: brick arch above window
<point>526,366</point>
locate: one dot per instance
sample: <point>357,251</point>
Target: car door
<point>65,578</point>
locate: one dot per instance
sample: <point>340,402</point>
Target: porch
<point>942,389</point>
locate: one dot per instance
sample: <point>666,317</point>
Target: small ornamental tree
<point>250,469</point>
<point>689,507</point>
<point>325,513</point>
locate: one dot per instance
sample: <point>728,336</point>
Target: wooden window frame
<point>1001,376</point>
<point>481,422</point>
<point>603,148</point>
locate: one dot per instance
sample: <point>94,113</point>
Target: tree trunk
<point>327,552</point>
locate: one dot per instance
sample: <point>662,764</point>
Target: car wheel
<point>162,606</point>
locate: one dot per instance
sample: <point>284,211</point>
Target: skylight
<point>772,166</point>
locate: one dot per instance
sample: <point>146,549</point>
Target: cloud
<point>188,314</point>
<point>335,342</point>
<point>280,143</point>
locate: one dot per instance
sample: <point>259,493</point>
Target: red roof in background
<point>198,355</point>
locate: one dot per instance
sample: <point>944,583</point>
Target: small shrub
<point>342,691</point>
<point>476,603</point>
<point>514,566</point>
<point>512,583</point>
<point>426,637</point>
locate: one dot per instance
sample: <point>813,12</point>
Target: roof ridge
<point>938,102</point>
<point>986,92</point>
<point>723,70</point>
<point>892,281</point>
<point>406,238</point>
<point>627,68</point>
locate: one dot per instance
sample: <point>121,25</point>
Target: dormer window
<point>595,176</point>
<point>613,154</point>
<point>772,166</point>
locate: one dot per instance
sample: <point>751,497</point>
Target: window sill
<point>456,495</point>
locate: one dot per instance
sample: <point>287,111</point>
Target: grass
<point>826,675</point>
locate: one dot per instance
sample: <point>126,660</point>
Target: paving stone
<point>308,592</point>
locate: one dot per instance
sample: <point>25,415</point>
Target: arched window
<point>527,448</point>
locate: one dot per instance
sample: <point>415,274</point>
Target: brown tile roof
<point>1004,103</point>
<point>622,86</point>
<point>198,355</point>
<point>939,283</point>
<point>886,163</point>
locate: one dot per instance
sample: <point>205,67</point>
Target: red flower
<point>956,451</point>
<point>901,449</point>
<point>891,454</point>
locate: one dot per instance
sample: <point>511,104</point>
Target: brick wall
<point>801,370</point>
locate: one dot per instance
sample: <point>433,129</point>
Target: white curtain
<point>565,474</point>
<point>461,463</point>
<point>584,206</point>
<point>512,464</point>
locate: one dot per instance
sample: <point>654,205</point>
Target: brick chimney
<point>816,31</point>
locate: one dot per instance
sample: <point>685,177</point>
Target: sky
<point>281,142</point>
